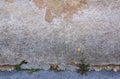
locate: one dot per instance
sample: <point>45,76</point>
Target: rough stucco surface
<point>41,34</point>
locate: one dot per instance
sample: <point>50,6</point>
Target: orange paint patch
<point>9,1</point>
<point>72,6</point>
<point>39,3</point>
<point>48,15</point>
<point>56,7</point>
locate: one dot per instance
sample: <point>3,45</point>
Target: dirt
<point>113,67</point>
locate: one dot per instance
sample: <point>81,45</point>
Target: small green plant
<point>33,70</point>
<point>18,66</point>
<point>83,67</point>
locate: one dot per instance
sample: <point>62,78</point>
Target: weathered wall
<point>50,31</point>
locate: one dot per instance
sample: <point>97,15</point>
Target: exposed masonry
<point>92,67</point>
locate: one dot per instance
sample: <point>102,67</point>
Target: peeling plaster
<point>55,8</point>
<point>9,1</point>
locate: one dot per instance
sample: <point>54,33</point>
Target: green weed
<point>83,67</point>
<point>18,66</point>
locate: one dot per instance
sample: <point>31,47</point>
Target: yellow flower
<point>78,49</point>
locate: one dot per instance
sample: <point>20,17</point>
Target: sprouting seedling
<point>18,66</point>
<point>33,70</point>
<point>83,67</point>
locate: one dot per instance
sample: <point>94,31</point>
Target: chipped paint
<point>39,3</point>
<point>55,8</point>
<point>48,15</point>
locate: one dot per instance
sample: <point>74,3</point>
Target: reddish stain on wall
<point>56,7</point>
<point>9,1</point>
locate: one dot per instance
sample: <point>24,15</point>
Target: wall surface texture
<point>44,32</point>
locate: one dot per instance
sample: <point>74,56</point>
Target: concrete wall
<point>50,31</point>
